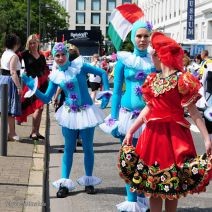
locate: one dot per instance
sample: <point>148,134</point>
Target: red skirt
<point>30,105</point>
<point>164,163</point>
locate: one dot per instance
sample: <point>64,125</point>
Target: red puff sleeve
<point>188,87</point>
<point>146,88</point>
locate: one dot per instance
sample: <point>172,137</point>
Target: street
<point>111,191</point>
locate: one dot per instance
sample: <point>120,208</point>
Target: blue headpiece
<point>59,47</point>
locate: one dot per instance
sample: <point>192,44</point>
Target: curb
<point>35,197</point>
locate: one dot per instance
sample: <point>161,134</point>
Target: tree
<point>14,15</point>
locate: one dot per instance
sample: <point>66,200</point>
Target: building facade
<point>91,14</point>
<point>170,16</point>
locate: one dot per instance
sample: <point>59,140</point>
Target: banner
<point>190,19</point>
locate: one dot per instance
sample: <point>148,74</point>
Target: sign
<point>79,36</point>
<point>87,41</point>
<point>190,19</point>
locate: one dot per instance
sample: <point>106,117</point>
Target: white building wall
<point>173,19</point>
<point>71,9</point>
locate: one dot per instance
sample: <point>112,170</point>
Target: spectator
<point>35,66</point>
<point>186,63</point>
<point>10,71</point>
<point>94,80</point>
<point>207,94</point>
<point>194,67</point>
<point>204,56</point>
<point>105,64</point>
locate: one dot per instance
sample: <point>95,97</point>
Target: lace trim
<point>172,182</point>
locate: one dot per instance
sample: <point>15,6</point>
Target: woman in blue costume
<point>78,113</point>
<point>131,69</point>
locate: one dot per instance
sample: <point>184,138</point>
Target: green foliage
<point>14,19</point>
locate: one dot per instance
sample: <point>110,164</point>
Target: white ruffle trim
<point>58,76</point>
<point>108,126</point>
<point>131,206</point>
<point>208,113</point>
<point>126,121</point>
<point>132,61</point>
<point>89,117</point>
<point>144,201</point>
<point>30,92</point>
<point>102,93</point>
<point>89,180</point>
<point>64,182</point>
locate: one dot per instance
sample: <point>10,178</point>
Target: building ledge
<point>206,11</point>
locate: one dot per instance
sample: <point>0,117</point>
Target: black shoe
<point>40,137</point>
<point>79,142</point>
<point>90,189</point>
<point>34,137</point>
<point>62,192</point>
<point>60,150</point>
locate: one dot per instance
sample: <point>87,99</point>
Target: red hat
<point>168,50</point>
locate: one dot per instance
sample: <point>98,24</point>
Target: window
<point>95,28</point>
<point>126,1</point>
<point>108,18</point>
<point>107,31</point>
<point>95,18</point>
<point>96,5</point>
<point>80,27</point>
<point>80,18</point>
<point>196,32</point>
<point>80,5</point>
<point>111,5</point>
<point>209,33</point>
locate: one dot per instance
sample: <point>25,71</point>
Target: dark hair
<point>11,40</point>
<point>198,57</point>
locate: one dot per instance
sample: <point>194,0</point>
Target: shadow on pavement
<point>104,144</point>
<point>194,209</point>
<point>112,190</point>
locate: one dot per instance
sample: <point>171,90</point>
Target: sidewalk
<point>22,171</point>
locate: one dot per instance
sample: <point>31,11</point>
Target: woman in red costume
<point>35,66</point>
<point>164,164</point>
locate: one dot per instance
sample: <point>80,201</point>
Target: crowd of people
<point>153,86</point>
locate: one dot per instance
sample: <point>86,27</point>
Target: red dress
<point>165,162</point>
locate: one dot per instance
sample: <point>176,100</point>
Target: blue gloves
<point>115,133</point>
<point>105,101</point>
<point>28,81</point>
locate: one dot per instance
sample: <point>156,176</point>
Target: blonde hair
<point>31,37</point>
<point>186,60</point>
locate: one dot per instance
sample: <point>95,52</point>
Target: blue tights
<point>70,137</point>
